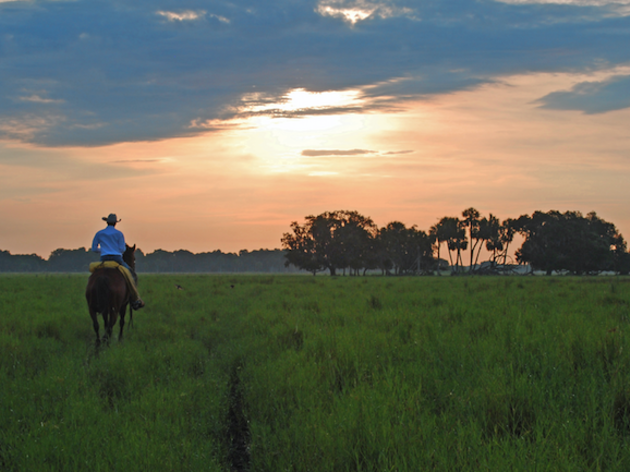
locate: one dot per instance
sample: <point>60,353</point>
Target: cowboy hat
<point>111,218</point>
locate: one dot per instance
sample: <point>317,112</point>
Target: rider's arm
<point>121,243</point>
<point>95,244</point>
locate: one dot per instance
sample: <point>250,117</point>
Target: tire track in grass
<point>237,428</point>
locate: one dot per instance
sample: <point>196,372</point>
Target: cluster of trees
<point>552,241</point>
<point>570,242</point>
<point>341,240</point>
<point>78,260</point>
<point>262,260</point>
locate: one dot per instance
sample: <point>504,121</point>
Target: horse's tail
<point>102,295</point>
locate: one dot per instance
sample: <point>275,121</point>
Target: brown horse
<point>107,293</point>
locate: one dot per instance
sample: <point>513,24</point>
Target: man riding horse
<point>110,243</point>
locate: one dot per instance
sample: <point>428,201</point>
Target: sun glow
<point>299,101</point>
<point>276,131</point>
<point>352,16</point>
<point>361,10</point>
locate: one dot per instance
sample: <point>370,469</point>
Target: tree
<point>450,231</point>
<point>440,234</point>
<point>330,241</point>
<point>506,236</point>
<point>568,241</point>
<point>300,248</point>
<point>71,260</point>
<point>472,222</point>
<point>354,235</point>
<point>21,262</point>
<point>406,250</point>
<point>489,233</point>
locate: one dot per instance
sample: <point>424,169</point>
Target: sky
<point>210,125</point>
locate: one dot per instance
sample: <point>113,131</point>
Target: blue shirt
<point>111,242</point>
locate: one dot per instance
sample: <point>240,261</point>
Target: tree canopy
<point>570,242</point>
<point>552,242</point>
<point>341,239</point>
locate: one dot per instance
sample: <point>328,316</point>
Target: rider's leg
<point>137,303</point>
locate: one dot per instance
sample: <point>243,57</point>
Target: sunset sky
<point>211,125</point>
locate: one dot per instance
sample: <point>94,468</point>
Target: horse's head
<point>129,256</point>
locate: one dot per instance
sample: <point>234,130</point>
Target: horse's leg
<point>106,319</point>
<point>94,316</point>
<point>113,316</point>
<point>123,309</point>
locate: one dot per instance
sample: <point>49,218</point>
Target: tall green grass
<point>333,374</point>
<point>153,402</point>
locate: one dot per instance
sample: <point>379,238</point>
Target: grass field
<point>301,373</point>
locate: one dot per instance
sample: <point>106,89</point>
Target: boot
<point>137,304</point>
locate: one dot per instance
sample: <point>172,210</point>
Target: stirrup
<point>137,304</point>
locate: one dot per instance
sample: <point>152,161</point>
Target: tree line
<point>346,241</point>
<point>78,260</point>
<point>552,242</point>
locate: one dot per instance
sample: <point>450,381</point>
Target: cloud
<point>582,3</point>
<point>614,7</point>
<point>37,99</point>
<point>336,152</point>
<point>185,15</point>
<point>222,19</point>
<point>190,15</point>
<point>140,161</point>
<point>361,10</point>
<point>592,97</point>
<point>349,152</point>
<point>395,153</point>
<point>118,72</point>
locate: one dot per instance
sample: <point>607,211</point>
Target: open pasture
<point>301,373</point>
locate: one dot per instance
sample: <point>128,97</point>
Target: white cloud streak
<point>38,99</point>
<point>186,15</point>
<point>360,10</point>
<point>581,3</point>
<point>616,7</point>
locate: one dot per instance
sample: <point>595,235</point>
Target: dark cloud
<point>336,152</point>
<point>98,72</point>
<point>395,153</point>
<point>592,97</point>
<point>137,161</point>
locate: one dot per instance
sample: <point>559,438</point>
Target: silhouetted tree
<point>301,248</point>
<point>452,230</point>
<point>330,241</point>
<point>21,262</point>
<point>568,241</point>
<point>71,260</point>
<point>407,249</point>
<point>439,233</point>
<point>473,223</point>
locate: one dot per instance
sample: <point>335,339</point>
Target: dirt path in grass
<point>238,429</point>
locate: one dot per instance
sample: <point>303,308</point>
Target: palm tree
<point>471,221</point>
<point>439,231</point>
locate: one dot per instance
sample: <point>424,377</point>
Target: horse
<point>106,293</point>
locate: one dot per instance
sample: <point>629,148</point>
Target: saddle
<point>131,284</point>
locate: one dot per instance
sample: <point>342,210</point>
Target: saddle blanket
<point>123,270</point>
